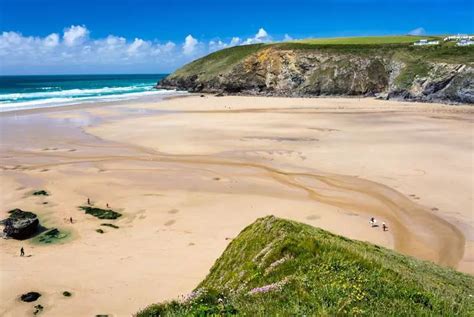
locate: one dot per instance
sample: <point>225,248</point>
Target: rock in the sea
<point>20,224</point>
<point>30,297</point>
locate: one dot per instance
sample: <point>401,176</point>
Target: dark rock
<point>20,224</point>
<point>109,225</point>
<point>67,294</point>
<point>30,297</point>
<point>40,193</point>
<point>101,213</point>
<point>38,309</point>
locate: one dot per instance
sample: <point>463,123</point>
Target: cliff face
<point>291,72</point>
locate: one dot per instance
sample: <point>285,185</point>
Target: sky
<point>158,36</point>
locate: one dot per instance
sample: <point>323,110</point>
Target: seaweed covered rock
<point>101,213</point>
<point>40,193</point>
<point>20,224</point>
<point>51,236</point>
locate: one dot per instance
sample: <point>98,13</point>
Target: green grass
<point>311,272</point>
<point>364,40</point>
<point>101,213</point>
<point>219,61</point>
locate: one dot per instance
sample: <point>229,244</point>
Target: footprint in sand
<point>313,217</point>
<point>170,222</point>
<point>173,211</point>
<point>350,213</point>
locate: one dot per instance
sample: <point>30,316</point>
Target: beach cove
<point>189,173</point>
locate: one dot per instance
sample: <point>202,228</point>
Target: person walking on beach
<point>70,219</point>
<point>88,201</point>
<point>384,226</point>
<point>108,205</point>
<point>22,252</point>
<point>373,222</point>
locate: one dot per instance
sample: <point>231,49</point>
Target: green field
<point>367,40</point>
<point>277,267</point>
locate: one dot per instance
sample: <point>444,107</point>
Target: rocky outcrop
<point>20,224</point>
<point>30,297</point>
<point>286,72</point>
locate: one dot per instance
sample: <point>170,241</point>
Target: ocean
<point>28,92</point>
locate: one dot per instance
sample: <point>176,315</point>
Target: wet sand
<point>189,173</point>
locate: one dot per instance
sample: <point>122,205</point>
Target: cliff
<point>443,73</point>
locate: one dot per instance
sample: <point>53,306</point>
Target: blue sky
<point>116,36</point>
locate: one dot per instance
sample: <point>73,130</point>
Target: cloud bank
<point>74,51</point>
<point>417,31</point>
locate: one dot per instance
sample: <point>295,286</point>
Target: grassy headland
<point>280,267</point>
<point>388,66</point>
<point>223,60</point>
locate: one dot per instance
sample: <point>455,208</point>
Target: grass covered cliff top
<point>281,267</point>
<point>401,46</point>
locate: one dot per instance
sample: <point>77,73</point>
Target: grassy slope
<point>399,46</point>
<point>323,274</point>
<point>364,40</point>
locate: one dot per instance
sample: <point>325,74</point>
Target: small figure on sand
<point>373,222</point>
<point>88,201</point>
<point>22,252</point>
<point>107,205</point>
<point>384,226</point>
<point>70,219</point>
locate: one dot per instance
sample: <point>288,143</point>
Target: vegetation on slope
<point>223,60</point>
<point>280,267</point>
<point>364,40</point>
<point>218,61</point>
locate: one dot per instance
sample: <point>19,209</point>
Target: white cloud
<point>235,41</point>
<point>138,46</point>
<point>75,34</point>
<point>261,37</point>
<point>74,51</point>
<point>417,31</point>
<point>261,34</point>
<point>287,38</point>
<point>217,45</point>
<point>51,40</point>
<point>189,45</point>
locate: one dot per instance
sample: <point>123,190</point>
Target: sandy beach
<point>190,173</point>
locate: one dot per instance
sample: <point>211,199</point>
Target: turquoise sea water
<point>27,92</point>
